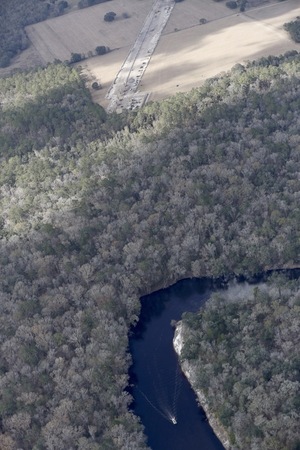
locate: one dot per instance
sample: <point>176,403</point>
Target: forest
<point>15,15</point>
<point>97,210</point>
<point>243,350</point>
<point>47,106</point>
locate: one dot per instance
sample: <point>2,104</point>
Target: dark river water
<point>159,388</point>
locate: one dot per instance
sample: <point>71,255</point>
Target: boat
<point>173,419</point>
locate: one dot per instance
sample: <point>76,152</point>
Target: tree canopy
<point>15,15</point>
<point>101,49</point>
<point>294,29</point>
<point>243,350</point>
<point>97,210</point>
<point>110,16</point>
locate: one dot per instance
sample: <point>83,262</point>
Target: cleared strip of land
<point>122,92</point>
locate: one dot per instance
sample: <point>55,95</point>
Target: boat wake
<point>160,403</point>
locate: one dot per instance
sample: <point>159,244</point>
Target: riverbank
<point>190,375</point>
<point>239,349</point>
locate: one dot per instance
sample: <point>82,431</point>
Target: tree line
<point>15,16</point>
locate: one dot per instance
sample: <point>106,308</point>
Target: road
<point>123,93</point>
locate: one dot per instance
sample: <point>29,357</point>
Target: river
<point>159,388</point>
<point>160,391</point>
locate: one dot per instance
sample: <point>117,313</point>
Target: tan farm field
<point>187,53</point>
<point>184,58</point>
<point>83,30</point>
